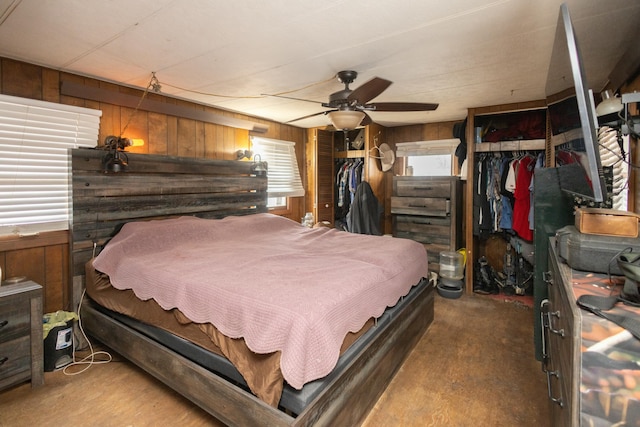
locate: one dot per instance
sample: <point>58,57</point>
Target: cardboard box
<point>607,222</point>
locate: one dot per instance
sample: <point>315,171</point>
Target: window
<point>428,158</point>
<point>34,173</point>
<point>282,169</point>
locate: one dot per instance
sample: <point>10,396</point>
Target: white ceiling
<point>458,53</point>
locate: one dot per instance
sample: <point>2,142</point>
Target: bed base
<point>345,401</point>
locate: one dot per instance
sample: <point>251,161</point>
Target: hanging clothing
<point>366,211</point>
<point>522,197</point>
<point>348,177</point>
<point>502,197</point>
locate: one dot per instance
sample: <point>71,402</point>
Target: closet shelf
<point>351,154</point>
<point>520,145</point>
<point>564,137</point>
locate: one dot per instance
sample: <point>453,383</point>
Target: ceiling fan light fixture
<point>346,119</point>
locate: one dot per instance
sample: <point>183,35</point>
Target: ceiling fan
<point>349,107</point>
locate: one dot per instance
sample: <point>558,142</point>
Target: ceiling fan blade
<point>290,97</point>
<point>366,120</point>
<point>400,106</point>
<point>369,90</point>
<point>310,115</point>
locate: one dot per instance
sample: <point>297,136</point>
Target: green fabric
<point>54,320</point>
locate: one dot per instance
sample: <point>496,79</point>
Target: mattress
<point>288,293</point>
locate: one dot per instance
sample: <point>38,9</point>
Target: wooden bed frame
<point>156,187</point>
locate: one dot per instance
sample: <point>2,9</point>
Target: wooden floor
<point>474,366</point>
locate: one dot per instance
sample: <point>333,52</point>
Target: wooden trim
<point>122,99</point>
<point>50,238</point>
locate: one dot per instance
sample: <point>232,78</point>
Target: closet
<point>329,155</point>
<point>502,142</point>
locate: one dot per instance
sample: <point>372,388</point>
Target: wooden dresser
<point>21,345</point>
<point>428,210</point>
<point>586,358</point>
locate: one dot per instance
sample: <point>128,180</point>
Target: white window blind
<point>34,172</point>
<point>283,175</point>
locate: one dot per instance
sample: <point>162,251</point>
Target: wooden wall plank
<point>54,277</point>
<point>22,79</point>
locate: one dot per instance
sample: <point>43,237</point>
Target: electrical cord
<point>89,360</point>
<point>247,96</point>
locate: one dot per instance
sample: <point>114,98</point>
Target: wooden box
<point>607,222</point>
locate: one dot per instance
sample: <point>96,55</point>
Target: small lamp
<point>244,154</point>
<point>259,168</point>
<point>610,104</point>
<point>116,159</point>
<point>346,119</point>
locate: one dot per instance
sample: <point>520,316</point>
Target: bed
<point>328,372</point>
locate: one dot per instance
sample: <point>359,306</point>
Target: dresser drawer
<point>561,331</point>
<point>14,318</point>
<point>421,187</point>
<point>425,206</point>
<point>15,357</point>
<point>424,229</point>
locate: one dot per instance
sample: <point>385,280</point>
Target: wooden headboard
<point>152,187</point>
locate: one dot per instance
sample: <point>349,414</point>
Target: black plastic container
<point>58,347</point>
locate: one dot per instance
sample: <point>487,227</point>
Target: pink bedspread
<point>279,285</point>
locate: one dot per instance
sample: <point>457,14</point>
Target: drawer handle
<point>412,205</point>
<point>557,400</point>
<point>423,188</point>
<point>547,277</point>
<point>544,309</point>
<point>555,331</point>
<point>3,360</point>
<point>4,323</point>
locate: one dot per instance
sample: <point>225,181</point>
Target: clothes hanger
<point>375,147</point>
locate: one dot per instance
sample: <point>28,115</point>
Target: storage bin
<point>593,252</point>
<point>58,339</point>
<point>451,265</point>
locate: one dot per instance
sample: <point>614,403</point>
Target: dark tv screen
<point>572,117</point>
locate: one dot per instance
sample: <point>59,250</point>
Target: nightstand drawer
<point>14,318</point>
<point>21,343</point>
<point>15,357</point>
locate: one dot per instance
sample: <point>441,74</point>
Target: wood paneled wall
<point>44,258</point>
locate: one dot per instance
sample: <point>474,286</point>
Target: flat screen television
<point>572,115</point>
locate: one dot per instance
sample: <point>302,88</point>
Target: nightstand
<point>21,345</point>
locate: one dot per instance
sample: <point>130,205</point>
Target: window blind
<point>34,171</point>
<point>283,175</point>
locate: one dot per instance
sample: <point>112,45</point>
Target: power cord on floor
<point>89,360</point>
